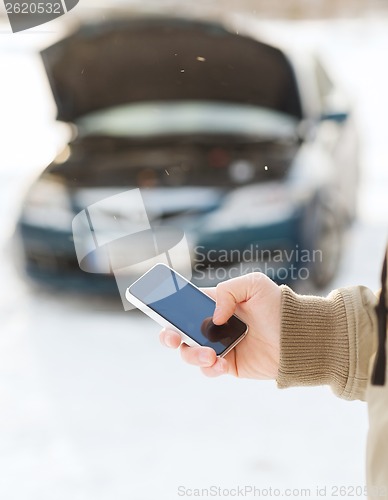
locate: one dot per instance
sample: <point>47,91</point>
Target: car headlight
<point>255,205</point>
<point>48,206</point>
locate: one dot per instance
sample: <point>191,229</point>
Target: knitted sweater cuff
<point>320,340</point>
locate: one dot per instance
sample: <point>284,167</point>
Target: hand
<point>257,301</point>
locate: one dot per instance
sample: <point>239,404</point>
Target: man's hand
<point>257,301</point>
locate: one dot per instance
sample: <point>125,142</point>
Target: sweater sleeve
<point>328,340</point>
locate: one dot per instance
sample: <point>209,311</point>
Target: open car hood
<point>166,59</point>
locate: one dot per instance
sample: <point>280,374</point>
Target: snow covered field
<point>92,408</point>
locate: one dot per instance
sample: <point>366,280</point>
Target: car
<point>245,145</point>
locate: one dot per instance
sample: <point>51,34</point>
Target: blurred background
<point>290,128</point>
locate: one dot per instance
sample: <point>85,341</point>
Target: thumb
<point>229,294</point>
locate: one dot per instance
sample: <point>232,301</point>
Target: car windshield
<point>187,117</point>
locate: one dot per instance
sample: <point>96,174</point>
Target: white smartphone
<point>173,302</point>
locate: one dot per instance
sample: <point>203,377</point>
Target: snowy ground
<point>92,408</point>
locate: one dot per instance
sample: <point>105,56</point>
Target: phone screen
<point>186,307</point>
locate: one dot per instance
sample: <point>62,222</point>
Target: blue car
<point>247,147</point>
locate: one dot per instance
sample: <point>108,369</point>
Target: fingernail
<point>221,366</point>
<point>204,358</point>
<point>168,340</point>
<point>217,313</point>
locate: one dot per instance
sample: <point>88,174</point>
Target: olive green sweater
<point>332,341</point>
